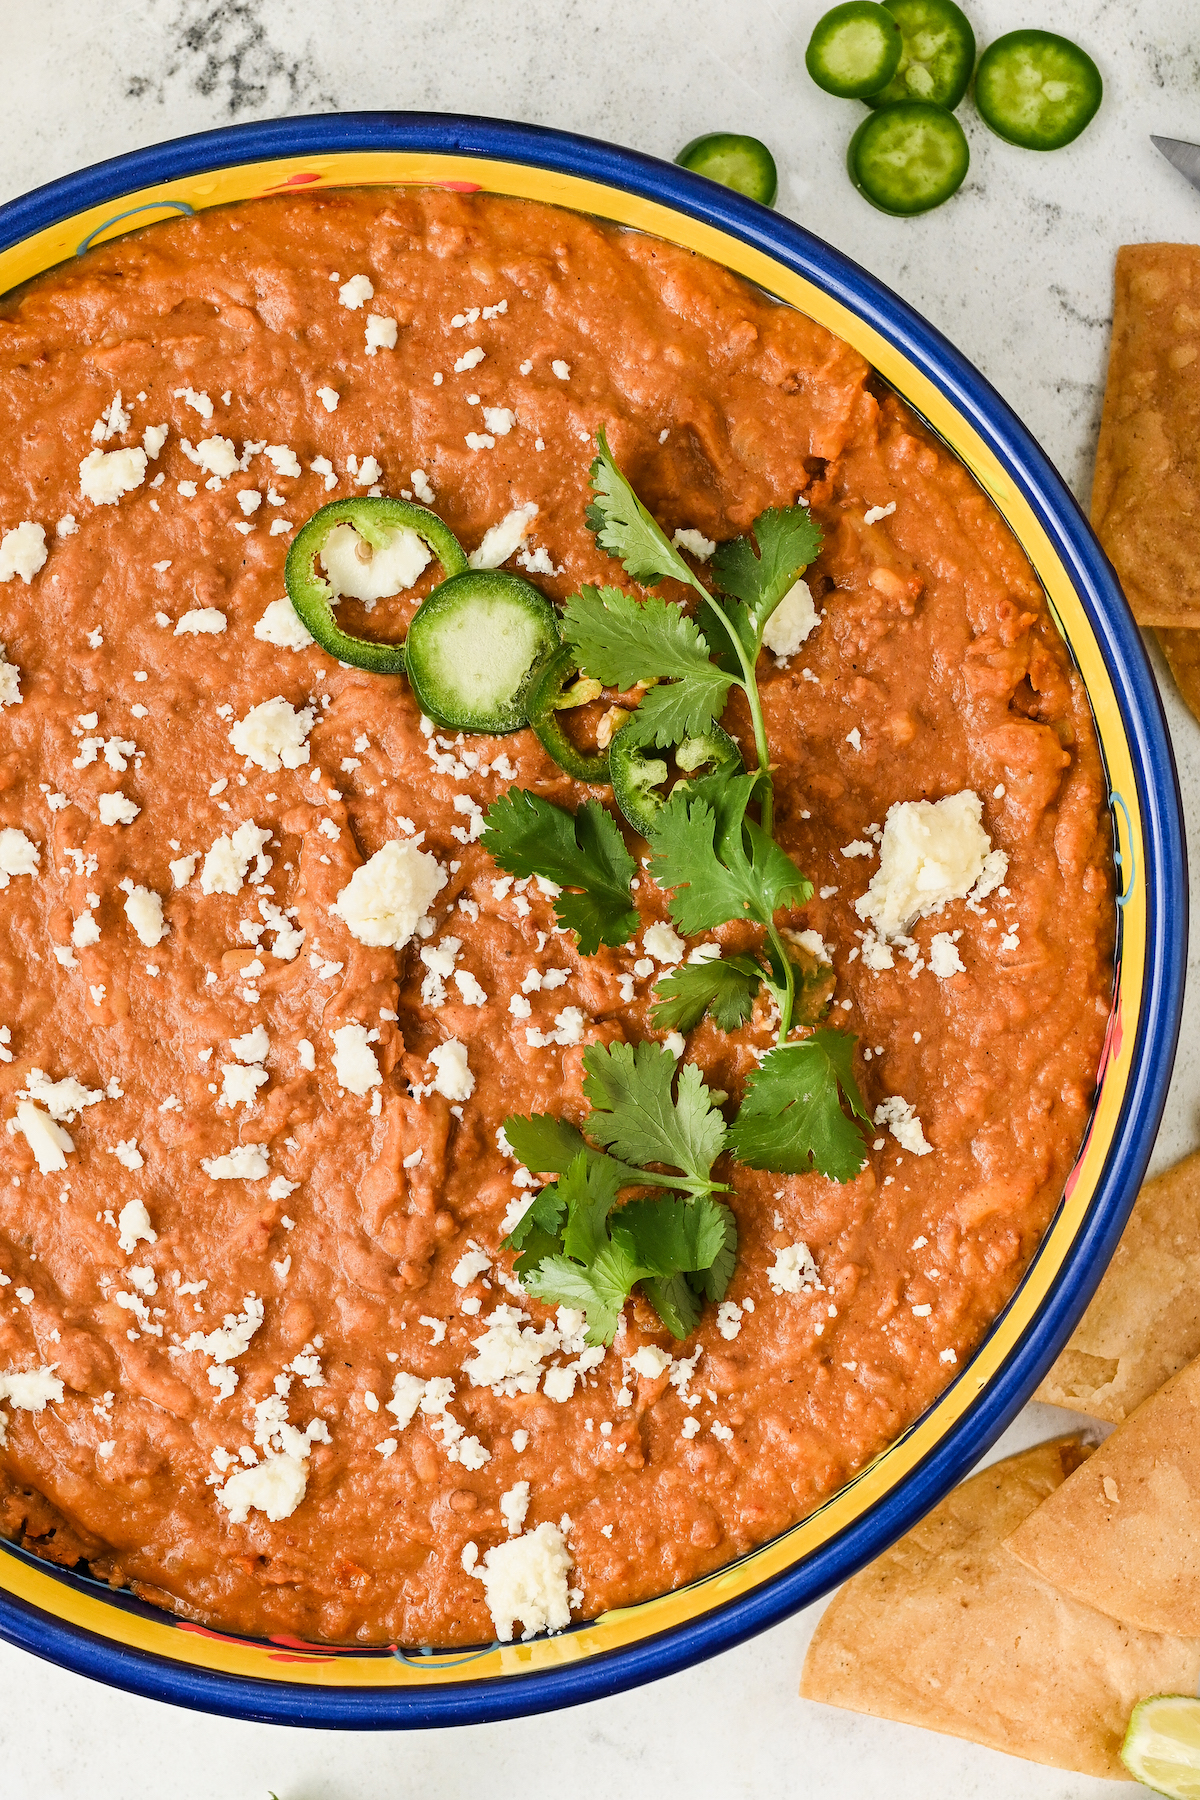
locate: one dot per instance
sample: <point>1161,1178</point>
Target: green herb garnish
<point>760,573</point>
<point>635,1116</point>
<point>584,853</point>
<point>721,866</point>
<point>578,1246</point>
<point>758,582</point>
<point>630,1085</point>
<point>724,987</point>
<point>791,1119</point>
<point>721,863</point>
<point>621,641</point>
<point>671,1247</point>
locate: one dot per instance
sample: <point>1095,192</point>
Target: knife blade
<point>1181,155</point>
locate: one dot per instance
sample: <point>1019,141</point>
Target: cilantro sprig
<point>754,581</point>
<point>681,1252</point>
<point>579,1246</point>
<point>720,866</point>
<point>635,1203</point>
<point>720,863</point>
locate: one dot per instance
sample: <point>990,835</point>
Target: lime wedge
<point>1162,1745</point>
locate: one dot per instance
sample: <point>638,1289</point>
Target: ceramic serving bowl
<point>75,1621</point>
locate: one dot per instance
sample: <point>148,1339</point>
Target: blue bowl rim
<point>1165,873</point>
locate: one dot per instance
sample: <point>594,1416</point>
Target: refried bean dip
<point>247,1263</point>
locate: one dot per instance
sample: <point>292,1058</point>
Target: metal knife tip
<point>1180,154</point>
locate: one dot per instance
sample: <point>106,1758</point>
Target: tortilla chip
<point>1143,1324</point>
<point>1123,1533</point>
<point>1146,493</point>
<point>1182,651</point>
<point>949,1631</point>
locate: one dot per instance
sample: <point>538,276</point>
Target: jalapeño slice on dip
<point>475,647</point>
<point>560,689</point>
<point>368,549</point>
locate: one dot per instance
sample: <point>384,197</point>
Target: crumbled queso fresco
<point>266,1001</point>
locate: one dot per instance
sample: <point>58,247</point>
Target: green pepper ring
<point>897,182</point>
<point>1010,113</point>
<point>454,688</point>
<point>312,596</point>
<point>544,721</point>
<point>947,72</point>
<point>636,797</point>
<point>843,39</point>
<point>736,161</point>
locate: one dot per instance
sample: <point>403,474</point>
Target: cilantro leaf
<point>676,710</point>
<point>676,1237</point>
<point>791,1119</point>
<point>594,1266</point>
<point>725,987</point>
<point>752,585</point>
<point>626,530</point>
<point>584,852</point>
<point>536,1247</point>
<point>679,1250</point>
<point>603,912</point>
<point>538,1232</point>
<point>700,1236</point>
<point>589,1192</point>
<point>720,864</point>
<point>545,1214</point>
<point>712,1283</point>
<point>598,1290</point>
<point>568,1217</point>
<point>675,1303</point>
<point>788,538</point>
<point>581,1265</point>
<point>549,1146</point>
<point>629,1087</point>
<point>543,1143</point>
<point>620,640</point>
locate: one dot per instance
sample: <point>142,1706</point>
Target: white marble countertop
<point>1017,271</point>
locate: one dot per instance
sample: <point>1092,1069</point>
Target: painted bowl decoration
<point>78,1622</point>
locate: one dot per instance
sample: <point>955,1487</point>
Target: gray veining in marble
<point>1017,272</point>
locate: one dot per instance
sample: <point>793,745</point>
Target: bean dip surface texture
<point>261,1353</point>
